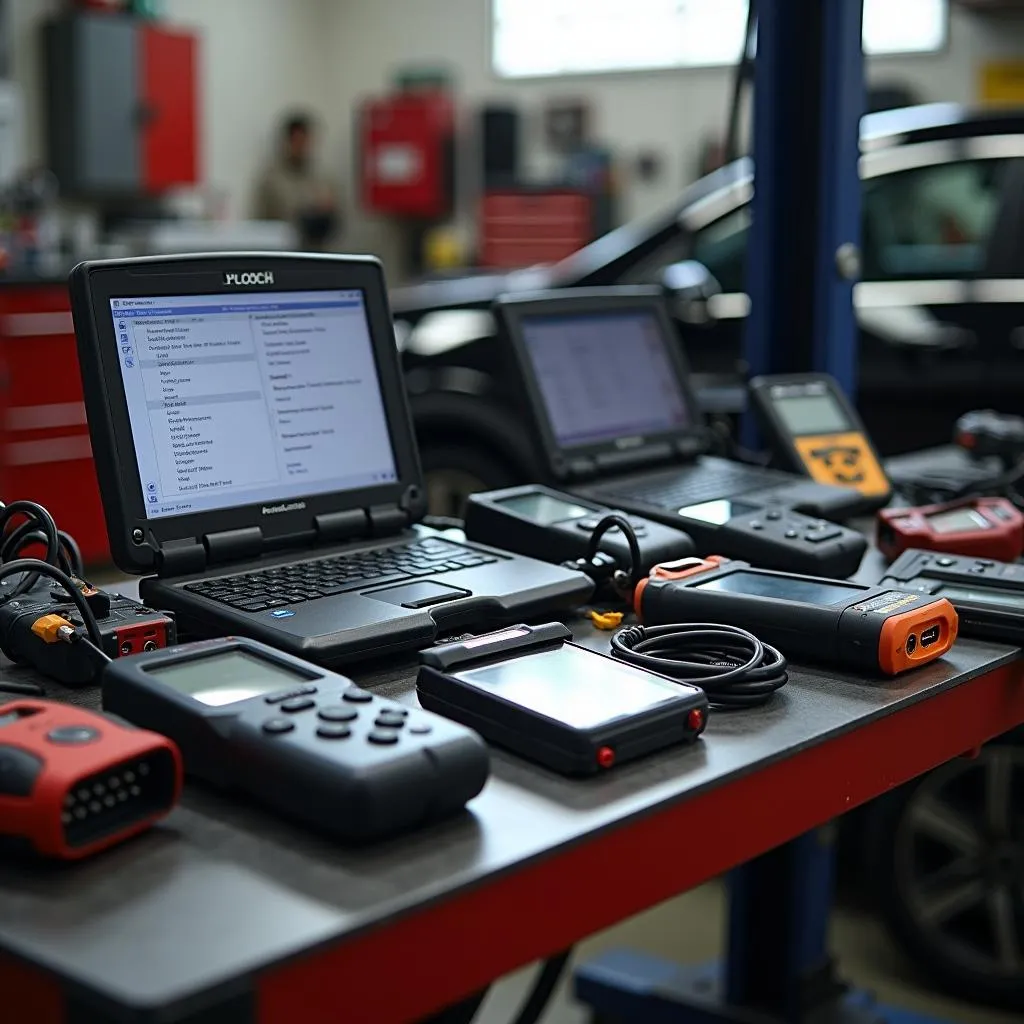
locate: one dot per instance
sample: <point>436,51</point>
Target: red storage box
<point>407,151</point>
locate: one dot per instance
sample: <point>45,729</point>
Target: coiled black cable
<point>729,664</point>
<point>38,527</point>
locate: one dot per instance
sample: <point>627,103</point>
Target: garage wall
<point>671,112</point>
<point>262,57</point>
<point>259,59</point>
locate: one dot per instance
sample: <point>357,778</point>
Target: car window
<point>940,221</point>
<point>722,248</point>
<point>931,222</point>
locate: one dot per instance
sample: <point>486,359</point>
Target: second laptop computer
<point>608,392</point>
<point>256,455</point>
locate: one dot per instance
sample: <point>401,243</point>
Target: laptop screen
<point>244,398</point>
<point>605,375</point>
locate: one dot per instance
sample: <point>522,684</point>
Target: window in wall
<point>565,37</point>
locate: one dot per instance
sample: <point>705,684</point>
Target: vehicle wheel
<point>951,866</point>
<point>453,471</point>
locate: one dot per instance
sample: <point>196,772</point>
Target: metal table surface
<point>226,912</point>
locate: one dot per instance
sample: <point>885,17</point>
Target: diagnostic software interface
<point>604,376</point>
<point>236,399</point>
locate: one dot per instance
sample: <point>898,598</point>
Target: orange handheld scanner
<point>73,782</point>
<point>857,627</point>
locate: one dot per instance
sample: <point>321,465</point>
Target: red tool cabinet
<point>520,227</point>
<point>45,454</point>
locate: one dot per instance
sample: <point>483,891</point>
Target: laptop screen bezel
<point>111,433</point>
<point>512,310</point>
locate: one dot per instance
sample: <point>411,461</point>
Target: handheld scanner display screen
<point>958,520</point>
<point>786,588</point>
<point>811,420</point>
<point>243,398</point>
<point>717,512</point>
<point>572,686</point>
<point>226,677</point>
<point>605,376</point>
<point>812,414</point>
<point>543,508</point>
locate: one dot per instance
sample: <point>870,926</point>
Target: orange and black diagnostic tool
<point>982,527</point>
<point>860,628</point>
<point>73,782</point>
<point>811,428</point>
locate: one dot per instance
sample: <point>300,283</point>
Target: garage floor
<point>690,929</point>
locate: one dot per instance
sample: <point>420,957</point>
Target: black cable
<point>72,552</point>
<point>37,567</point>
<point>610,522</point>
<point>729,664</point>
<point>38,527</point>
<point>940,486</point>
<point>543,988</point>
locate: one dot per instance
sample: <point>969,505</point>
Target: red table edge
<point>429,958</point>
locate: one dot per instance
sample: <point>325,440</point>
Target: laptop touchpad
<point>418,595</point>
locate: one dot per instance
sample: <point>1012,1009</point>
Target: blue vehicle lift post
<point>803,260</point>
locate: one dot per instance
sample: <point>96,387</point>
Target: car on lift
<point>940,309</point>
<point>940,300</point>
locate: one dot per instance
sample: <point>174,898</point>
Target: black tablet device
<point>531,690</point>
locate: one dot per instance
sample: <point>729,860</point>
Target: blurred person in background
<point>292,188</point>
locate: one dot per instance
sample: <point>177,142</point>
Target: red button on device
<point>696,720</point>
<point>606,757</point>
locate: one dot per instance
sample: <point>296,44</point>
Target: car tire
<point>948,853</point>
<point>452,471</point>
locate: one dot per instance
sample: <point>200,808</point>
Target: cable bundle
<point>729,664</point>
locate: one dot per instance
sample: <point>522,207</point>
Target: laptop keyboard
<point>325,577</point>
<point>694,484</point>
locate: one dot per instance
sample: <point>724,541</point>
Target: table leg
<point>777,968</point>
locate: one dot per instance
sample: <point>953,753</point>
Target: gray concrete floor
<point>689,929</point>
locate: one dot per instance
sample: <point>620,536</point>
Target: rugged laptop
<point>615,417</point>
<point>256,455</point>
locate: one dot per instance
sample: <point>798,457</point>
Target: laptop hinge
<point>233,545</point>
<point>386,520</point>
<point>179,557</point>
<point>332,527</point>
<point>635,458</point>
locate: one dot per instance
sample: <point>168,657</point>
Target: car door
<point>941,295</point>
<point>941,301</point>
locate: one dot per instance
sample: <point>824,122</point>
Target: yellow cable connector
<point>606,620</point>
<point>48,628</point>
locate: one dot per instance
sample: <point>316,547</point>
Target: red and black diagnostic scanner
<point>73,782</point>
<point>982,527</point>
